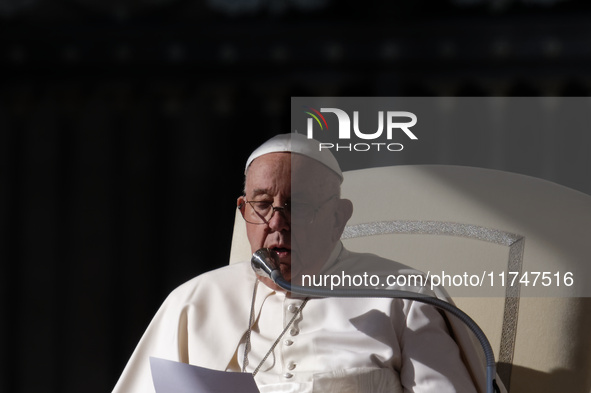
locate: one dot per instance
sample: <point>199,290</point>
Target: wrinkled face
<point>283,178</point>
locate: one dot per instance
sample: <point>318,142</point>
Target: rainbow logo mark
<point>310,110</point>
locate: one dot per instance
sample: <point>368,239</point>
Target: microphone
<point>265,263</point>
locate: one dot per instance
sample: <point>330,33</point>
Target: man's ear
<point>342,215</point>
<point>240,204</point>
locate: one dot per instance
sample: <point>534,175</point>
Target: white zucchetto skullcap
<point>299,144</point>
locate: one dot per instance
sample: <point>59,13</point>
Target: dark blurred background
<point>124,126</point>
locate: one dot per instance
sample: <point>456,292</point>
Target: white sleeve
<point>163,338</point>
<point>431,360</point>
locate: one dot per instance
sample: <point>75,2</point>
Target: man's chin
<point>285,271</point>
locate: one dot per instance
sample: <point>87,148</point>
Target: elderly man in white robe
<point>230,319</point>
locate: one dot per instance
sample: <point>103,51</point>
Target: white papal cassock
<point>335,344</point>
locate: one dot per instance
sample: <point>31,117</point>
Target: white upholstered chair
<point>451,219</point>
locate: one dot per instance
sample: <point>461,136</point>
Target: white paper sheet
<point>174,377</point>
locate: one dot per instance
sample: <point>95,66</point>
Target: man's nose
<point>279,220</point>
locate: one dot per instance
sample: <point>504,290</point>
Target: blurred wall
<point>124,127</point>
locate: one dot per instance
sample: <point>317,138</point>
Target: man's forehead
<point>294,174</point>
<point>269,174</point>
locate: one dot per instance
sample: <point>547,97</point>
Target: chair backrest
<point>474,225</point>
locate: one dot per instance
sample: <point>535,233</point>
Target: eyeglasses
<point>261,212</point>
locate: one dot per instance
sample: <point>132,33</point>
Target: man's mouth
<point>282,252</point>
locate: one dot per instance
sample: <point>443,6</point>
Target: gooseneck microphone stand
<point>264,263</point>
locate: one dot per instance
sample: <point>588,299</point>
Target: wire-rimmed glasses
<point>261,212</point>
